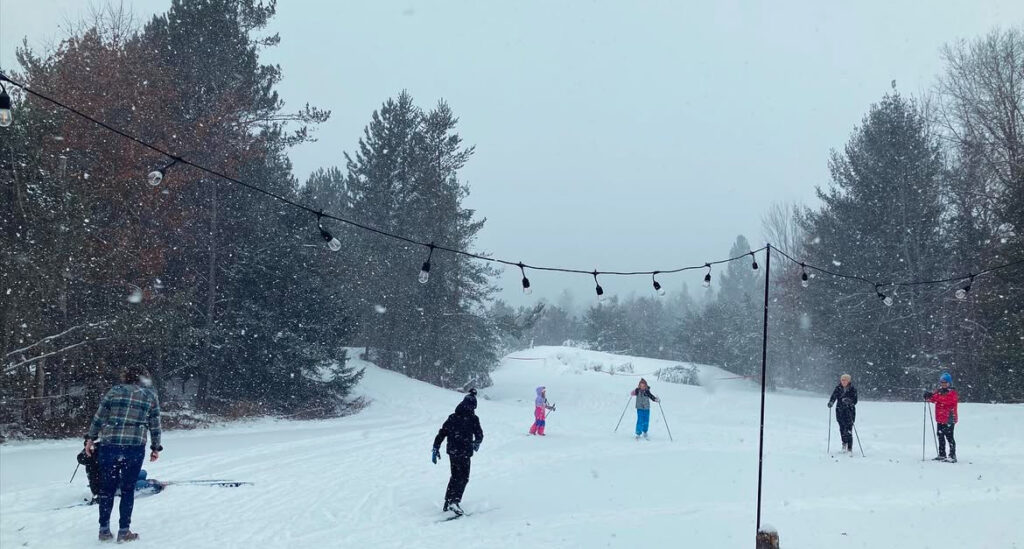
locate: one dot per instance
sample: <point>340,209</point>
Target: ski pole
<point>858,441</point>
<point>623,414</point>
<point>75,473</point>
<point>935,437</point>
<point>828,449</point>
<point>924,430</point>
<point>666,422</point>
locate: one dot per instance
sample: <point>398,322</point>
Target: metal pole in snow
<point>764,368</point>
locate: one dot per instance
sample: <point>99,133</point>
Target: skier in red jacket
<point>946,415</point>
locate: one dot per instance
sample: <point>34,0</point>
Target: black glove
<point>476,446</point>
<point>927,395</point>
<point>435,455</point>
<point>830,403</point>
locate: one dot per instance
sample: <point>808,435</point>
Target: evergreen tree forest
<point>231,300</point>
<point>237,307</point>
<point>925,189</point>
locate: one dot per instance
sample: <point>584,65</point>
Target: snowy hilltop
<point>367,479</point>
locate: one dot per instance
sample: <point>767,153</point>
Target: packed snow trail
<point>367,480</point>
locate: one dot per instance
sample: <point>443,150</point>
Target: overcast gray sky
<point>609,134</point>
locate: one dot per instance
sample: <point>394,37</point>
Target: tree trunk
<point>203,389</point>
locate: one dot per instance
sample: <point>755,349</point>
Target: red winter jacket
<point>945,406</point>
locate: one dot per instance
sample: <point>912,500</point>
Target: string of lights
<point>155,178</point>
<point>961,293</point>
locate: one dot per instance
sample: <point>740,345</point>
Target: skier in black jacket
<point>846,412</point>
<point>462,429</point>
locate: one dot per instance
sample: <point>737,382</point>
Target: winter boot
<point>445,508</point>
<point>952,458</point>
<point>454,507</point>
<point>940,457</point>
<point>124,536</point>
<point>105,535</point>
<point>646,437</point>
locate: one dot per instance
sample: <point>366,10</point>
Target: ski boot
<point>646,437</point>
<point>454,507</point>
<point>952,458</point>
<point>939,457</point>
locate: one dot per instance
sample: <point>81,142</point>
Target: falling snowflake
<point>135,296</point>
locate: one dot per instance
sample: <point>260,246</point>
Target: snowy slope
<point>367,480</point>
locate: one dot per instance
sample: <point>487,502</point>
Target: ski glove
<point>435,455</point>
<point>927,395</point>
<point>830,403</point>
<point>476,446</point>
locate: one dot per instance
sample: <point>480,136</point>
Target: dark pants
<point>946,433</point>
<point>845,417</point>
<point>460,478</point>
<point>119,468</point>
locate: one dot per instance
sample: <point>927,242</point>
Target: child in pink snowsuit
<point>540,412</point>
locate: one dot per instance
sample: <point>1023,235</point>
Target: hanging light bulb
<point>754,259</point>
<point>6,117</point>
<point>526,281</point>
<point>156,176</point>
<point>707,276</point>
<point>657,285</point>
<point>333,243</point>
<point>885,299</point>
<point>425,270</point>
<point>598,289</point>
<point>803,276</point>
<point>961,294</point>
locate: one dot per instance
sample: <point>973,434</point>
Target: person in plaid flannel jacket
<point>117,436</point>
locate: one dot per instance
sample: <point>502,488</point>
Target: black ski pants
<point>946,433</point>
<point>459,480</point>
<point>845,416</point>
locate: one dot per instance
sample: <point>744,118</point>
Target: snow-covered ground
<point>367,480</point>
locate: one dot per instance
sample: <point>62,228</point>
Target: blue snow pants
<point>119,466</point>
<point>643,420</point>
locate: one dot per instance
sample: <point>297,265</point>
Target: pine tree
<point>881,214</point>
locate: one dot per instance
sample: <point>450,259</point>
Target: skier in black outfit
<point>846,412</point>
<point>93,473</point>
<point>462,429</point>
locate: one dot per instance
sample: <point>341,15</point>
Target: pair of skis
<point>463,514</point>
<point>220,483</point>
<point>216,482</point>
